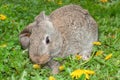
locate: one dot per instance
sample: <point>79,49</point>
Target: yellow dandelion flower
<point>3,45</point>
<point>104,1</point>
<point>89,72</point>
<point>99,53</point>
<point>87,76</point>
<point>61,68</point>
<point>78,57</point>
<point>78,73</point>
<point>97,43</point>
<point>108,56</point>
<point>2,17</point>
<point>51,78</point>
<point>60,2</point>
<point>36,66</point>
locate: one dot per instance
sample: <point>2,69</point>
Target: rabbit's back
<point>77,27</point>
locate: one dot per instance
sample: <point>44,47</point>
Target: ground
<point>15,63</point>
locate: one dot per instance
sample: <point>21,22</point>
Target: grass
<point>14,62</point>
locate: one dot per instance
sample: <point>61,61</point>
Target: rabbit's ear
<point>24,39</point>
<point>41,17</point>
<point>24,36</point>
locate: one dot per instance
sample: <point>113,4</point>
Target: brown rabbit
<point>68,30</point>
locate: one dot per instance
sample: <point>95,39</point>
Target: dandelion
<point>60,2</point>
<point>97,43</point>
<point>36,66</point>
<point>61,68</point>
<point>51,78</point>
<point>89,71</point>
<point>78,73</point>
<point>3,45</point>
<point>104,1</point>
<point>2,17</point>
<point>99,53</point>
<point>108,56</point>
<point>78,57</point>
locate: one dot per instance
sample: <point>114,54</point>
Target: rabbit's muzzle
<point>39,59</point>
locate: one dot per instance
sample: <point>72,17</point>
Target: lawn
<point>15,63</point>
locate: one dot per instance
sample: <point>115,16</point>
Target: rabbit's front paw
<point>54,66</point>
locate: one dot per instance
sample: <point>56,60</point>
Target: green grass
<point>14,62</point>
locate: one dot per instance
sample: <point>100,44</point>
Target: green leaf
<point>83,77</point>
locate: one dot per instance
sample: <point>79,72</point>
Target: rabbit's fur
<point>67,30</point>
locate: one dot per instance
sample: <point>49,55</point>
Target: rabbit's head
<point>44,40</point>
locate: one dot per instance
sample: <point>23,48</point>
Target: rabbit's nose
<point>44,58</point>
<point>40,59</point>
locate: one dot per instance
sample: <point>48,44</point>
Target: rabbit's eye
<point>47,40</point>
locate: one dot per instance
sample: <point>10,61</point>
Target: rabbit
<point>66,31</point>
